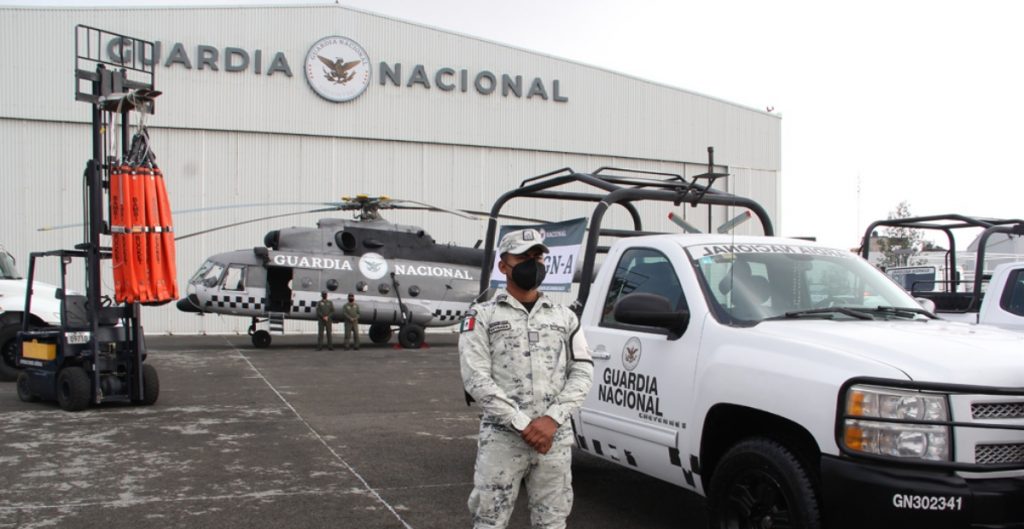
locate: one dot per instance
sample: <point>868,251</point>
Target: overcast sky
<point>882,101</point>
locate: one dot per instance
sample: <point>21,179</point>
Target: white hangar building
<point>430,115</point>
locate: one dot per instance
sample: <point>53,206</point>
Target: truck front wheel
<point>759,484</point>
<point>9,351</point>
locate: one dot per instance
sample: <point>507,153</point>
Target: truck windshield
<point>7,268</point>
<point>751,283</point>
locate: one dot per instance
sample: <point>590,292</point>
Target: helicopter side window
<point>234,279</point>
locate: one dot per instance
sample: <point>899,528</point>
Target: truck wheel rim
<point>756,501</point>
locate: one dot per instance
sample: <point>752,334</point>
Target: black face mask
<point>528,275</point>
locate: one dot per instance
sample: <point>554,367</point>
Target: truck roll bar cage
<point>611,187</point>
<point>946,224</point>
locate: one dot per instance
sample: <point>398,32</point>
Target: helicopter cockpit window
<point>7,268</point>
<point>234,279</point>
<point>208,274</point>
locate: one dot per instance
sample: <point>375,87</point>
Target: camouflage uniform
<point>520,366</point>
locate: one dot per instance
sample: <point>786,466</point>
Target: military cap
<point>521,241</point>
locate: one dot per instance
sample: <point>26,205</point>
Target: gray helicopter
<point>402,278</point>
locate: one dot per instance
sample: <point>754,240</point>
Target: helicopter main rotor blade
<point>459,213</point>
<point>503,216</point>
<point>250,221</point>
<point>337,205</point>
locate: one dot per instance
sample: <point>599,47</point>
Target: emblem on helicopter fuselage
<point>373,265</point>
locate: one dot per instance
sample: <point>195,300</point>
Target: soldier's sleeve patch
<point>468,324</point>
<point>498,326</point>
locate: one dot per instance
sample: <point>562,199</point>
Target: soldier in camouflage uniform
<point>526,362</point>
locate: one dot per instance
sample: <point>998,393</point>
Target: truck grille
<point>998,410</point>
<point>999,454</point>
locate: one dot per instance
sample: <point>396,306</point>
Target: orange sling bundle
<point>143,236</point>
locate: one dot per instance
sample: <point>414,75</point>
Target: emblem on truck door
<point>631,354</point>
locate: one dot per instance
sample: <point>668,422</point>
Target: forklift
<point>97,354</point>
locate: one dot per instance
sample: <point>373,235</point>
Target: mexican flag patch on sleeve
<point>468,324</point>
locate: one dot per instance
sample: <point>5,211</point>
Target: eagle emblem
<point>631,352</point>
<point>337,71</point>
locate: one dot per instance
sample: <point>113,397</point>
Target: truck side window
<point>643,270</point>
<point>1013,297</point>
<point>234,278</point>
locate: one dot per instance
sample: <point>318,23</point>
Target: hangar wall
<point>245,138</point>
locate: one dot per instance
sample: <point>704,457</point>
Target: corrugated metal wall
<point>240,138</point>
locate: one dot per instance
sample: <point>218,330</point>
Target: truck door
<point>636,414</point>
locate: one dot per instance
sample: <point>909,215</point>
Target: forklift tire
<point>74,389</point>
<point>150,386</point>
<point>261,339</point>
<point>380,333</point>
<point>24,392</point>
<point>410,336</point>
<point>9,352</point>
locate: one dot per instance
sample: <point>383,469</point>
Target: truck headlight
<point>900,434</point>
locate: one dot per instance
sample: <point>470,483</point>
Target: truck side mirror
<point>926,304</point>
<point>651,310</point>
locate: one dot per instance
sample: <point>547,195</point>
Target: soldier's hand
<point>540,433</point>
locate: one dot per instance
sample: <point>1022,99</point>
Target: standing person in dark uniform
<point>324,321</point>
<point>351,314</point>
<point>525,361</point>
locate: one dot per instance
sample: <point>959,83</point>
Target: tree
<point>900,244</point>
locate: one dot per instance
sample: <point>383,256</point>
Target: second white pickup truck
<point>994,297</point>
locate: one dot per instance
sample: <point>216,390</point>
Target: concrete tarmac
<point>285,437</point>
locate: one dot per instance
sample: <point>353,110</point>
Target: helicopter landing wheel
<point>410,336</point>
<point>380,333</point>
<point>261,339</point>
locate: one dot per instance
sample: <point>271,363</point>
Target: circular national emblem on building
<point>338,69</point>
<point>373,265</point>
<point>631,354</point>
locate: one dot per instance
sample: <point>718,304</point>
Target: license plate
<point>77,338</point>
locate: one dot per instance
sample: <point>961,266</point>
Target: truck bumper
<point>859,495</point>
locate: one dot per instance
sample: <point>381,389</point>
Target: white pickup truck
<point>792,384</point>
<point>993,297</point>
<point>45,311</point>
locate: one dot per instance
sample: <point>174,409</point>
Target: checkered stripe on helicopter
<point>448,315</point>
<point>235,302</point>
<point>303,305</point>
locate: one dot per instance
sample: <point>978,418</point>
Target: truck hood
<point>931,351</point>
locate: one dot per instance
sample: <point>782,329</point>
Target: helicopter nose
<point>189,304</point>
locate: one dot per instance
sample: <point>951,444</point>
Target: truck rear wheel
<point>9,351</point>
<point>760,483</point>
<point>74,389</point>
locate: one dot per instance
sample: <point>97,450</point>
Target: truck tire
<point>410,336</point>
<point>761,483</point>
<point>9,352</point>
<point>24,391</point>
<point>150,386</point>
<point>380,333</point>
<point>74,389</point>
